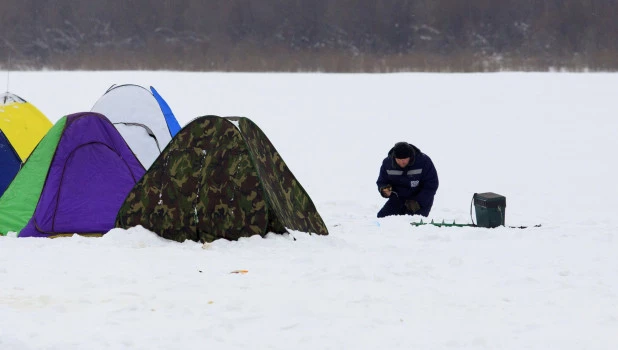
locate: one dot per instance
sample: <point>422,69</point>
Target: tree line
<point>310,35</point>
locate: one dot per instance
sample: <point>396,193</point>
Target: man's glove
<point>385,191</point>
<point>412,205</point>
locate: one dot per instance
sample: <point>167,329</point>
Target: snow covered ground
<point>546,141</point>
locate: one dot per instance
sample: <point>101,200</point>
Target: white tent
<point>136,114</point>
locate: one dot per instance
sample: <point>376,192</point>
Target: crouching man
<point>409,180</point>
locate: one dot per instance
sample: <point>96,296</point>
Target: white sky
<point>546,141</point>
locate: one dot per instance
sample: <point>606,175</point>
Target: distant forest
<point>310,35</point>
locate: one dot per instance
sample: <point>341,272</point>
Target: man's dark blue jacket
<point>418,180</point>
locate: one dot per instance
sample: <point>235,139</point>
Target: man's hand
<point>386,191</point>
<point>413,205</point>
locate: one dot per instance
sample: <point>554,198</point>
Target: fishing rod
<point>8,76</point>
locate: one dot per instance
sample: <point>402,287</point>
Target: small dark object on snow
<point>490,209</point>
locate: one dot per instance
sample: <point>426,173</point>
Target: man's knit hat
<point>402,150</point>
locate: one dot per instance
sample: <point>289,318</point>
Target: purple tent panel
<point>91,173</point>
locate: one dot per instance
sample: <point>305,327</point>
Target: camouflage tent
<point>217,179</point>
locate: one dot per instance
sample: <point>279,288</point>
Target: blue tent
<point>10,163</point>
<point>172,123</point>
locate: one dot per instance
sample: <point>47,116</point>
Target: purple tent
<point>91,173</point>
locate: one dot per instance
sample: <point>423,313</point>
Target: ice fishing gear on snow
<point>490,210</point>
<point>441,224</point>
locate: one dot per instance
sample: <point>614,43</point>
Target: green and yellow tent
<point>22,126</point>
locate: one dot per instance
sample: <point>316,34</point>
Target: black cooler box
<point>490,209</point>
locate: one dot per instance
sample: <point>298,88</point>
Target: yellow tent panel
<point>22,124</point>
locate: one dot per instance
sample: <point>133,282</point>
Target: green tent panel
<point>21,197</point>
<point>219,178</point>
<point>286,196</point>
